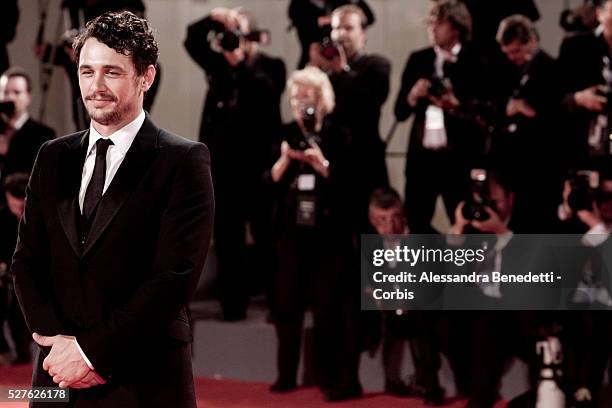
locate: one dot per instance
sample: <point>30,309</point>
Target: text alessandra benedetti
<point>494,277</point>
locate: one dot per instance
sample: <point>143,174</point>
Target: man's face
<point>16,205</point>
<point>518,53</point>
<point>15,89</point>
<point>442,33</point>
<point>110,87</point>
<point>347,30</point>
<point>503,201</point>
<point>390,221</point>
<point>604,16</point>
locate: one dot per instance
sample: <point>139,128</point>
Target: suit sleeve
<point>182,245</point>
<point>197,46</point>
<point>30,275</point>
<point>409,77</point>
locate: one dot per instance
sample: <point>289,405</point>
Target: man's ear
<point>148,77</point>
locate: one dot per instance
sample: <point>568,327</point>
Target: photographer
<point>312,19</point>
<point>313,235</point>
<point>20,136</point>
<point>586,74</point>
<point>483,342</point>
<point>241,115</point>
<point>437,85</point>
<point>587,210</point>
<point>361,85</point>
<point>529,99</point>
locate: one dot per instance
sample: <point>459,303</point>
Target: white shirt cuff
<point>83,355</point>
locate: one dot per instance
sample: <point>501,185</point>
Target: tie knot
<point>102,146</point>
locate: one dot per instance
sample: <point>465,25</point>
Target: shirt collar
<point>21,121</point>
<point>122,138</point>
<point>454,51</point>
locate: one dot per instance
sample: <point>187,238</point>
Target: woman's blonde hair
<point>313,76</point>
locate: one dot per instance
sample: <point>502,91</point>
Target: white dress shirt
<point>122,140</point>
<point>435,133</point>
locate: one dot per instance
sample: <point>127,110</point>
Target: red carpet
<point>241,394</point>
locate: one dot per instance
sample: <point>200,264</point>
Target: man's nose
<point>99,83</point>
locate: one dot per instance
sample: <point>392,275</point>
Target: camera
<point>7,108</point>
<point>474,207</point>
<point>221,39</point>
<point>329,49</point>
<point>584,185</point>
<point>302,140</point>
<point>438,87</point>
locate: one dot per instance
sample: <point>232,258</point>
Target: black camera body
<point>584,186</point>
<point>438,87</point>
<point>329,49</point>
<point>222,39</point>
<point>474,207</point>
<point>7,108</point>
<point>302,140</point>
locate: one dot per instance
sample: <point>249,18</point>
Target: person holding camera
<point>586,212</point>
<point>20,135</point>
<point>312,19</point>
<point>361,85</point>
<point>241,115</point>
<point>482,342</point>
<point>586,74</point>
<point>528,101</point>
<point>313,234</point>
<point>438,83</point>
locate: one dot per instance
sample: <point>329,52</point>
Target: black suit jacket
<point>469,80</point>
<point>124,292</point>
<point>580,67</point>
<point>24,147</point>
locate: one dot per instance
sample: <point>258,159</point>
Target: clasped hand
<point>65,364</point>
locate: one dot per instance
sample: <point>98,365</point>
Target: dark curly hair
<point>125,33</point>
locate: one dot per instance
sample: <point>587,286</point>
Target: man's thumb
<point>42,340</point>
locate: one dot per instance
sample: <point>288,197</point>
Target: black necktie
<point>96,184</point>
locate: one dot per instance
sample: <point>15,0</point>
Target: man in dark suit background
<point>20,135</point>
<point>584,63</point>
<point>438,85</point>
<point>114,236</point>
<point>361,85</point>
<point>240,118</point>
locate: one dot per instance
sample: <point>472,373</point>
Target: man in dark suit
<point>584,68</point>
<point>529,100</point>
<point>20,136</point>
<point>312,19</point>
<point>361,85</point>
<point>438,86</point>
<point>240,119</point>
<point>114,236</point>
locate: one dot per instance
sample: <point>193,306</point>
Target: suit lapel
<point>131,171</point>
<point>68,185</point>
